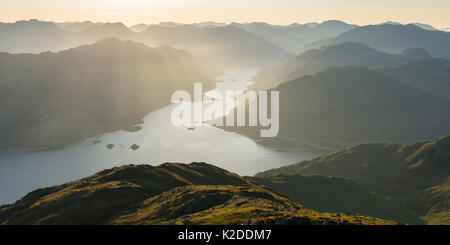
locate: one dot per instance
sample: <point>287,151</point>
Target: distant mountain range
<point>394,39</point>
<point>421,25</point>
<point>226,45</point>
<point>415,174</point>
<point>316,60</point>
<point>413,66</point>
<point>350,93</point>
<point>294,37</point>
<point>77,25</point>
<point>248,44</point>
<point>85,91</point>
<point>34,37</point>
<point>172,193</point>
<point>234,46</point>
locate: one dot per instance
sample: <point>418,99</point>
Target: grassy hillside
<point>415,174</point>
<point>171,193</point>
<point>209,205</point>
<point>336,194</point>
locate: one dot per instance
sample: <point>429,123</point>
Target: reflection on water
<point>158,140</point>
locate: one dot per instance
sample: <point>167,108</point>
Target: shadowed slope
<point>85,91</point>
<point>416,174</point>
<point>335,194</point>
<point>98,198</point>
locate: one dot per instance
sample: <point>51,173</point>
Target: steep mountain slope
<point>342,106</point>
<point>89,90</point>
<point>354,104</point>
<point>394,39</point>
<point>336,194</point>
<point>171,193</point>
<point>437,202</point>
<point>315,60</point>
<point>429,74</point>
<point>415,174</point>
<point>413,66</point>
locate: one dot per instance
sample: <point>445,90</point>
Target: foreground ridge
<point>417,175</point>
<point>171,193</point>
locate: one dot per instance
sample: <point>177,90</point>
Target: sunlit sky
<point>434,12</point>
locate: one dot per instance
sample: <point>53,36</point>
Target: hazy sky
<point>434,12</point>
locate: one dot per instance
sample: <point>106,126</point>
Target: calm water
<point>22,171</point>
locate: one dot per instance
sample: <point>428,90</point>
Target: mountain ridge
<point>71,93</point>
<point>171,193</point>
<point>394,39</point>
<point>415,174</point>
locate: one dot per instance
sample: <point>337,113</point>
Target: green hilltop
<point>172,193</point>
<point>415,174</point>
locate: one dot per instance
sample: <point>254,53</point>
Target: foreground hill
<point>416,174</point>
<point>89,90</point>
<point>171,193</point>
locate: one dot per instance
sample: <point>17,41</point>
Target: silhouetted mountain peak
<point>109,28</point>
<point>139,27</point>
<point>333,24</point>
<point>33,25</point>
<point>111,45</point>
<point>348,48</point>
<point>425,26</point>
<point>170,24</point>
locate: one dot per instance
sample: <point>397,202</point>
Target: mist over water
<point>22,171</point>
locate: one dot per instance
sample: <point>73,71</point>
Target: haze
<point>434,12</point>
